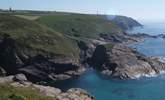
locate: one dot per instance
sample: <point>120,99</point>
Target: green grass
<point>35,37</point>
<point>108,46</point>
<point>8,92</point>
<point>54,34</point>
<point>29,17</point>
<point>79,25</point>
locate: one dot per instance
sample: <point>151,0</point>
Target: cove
<point>105,88</point>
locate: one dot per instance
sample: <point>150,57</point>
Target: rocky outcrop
<point>20,80</point>
<point>41,68</point>
<point>75,94</point>
<point>125,38</point>
<point>13,78</point>
<point>124,62</point>
<point>124,22</point>
<point>71,94</point>
<point>36,66</point>
<point>2,72</point>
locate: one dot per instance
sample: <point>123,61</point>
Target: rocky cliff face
<point>122,62</point>
<point>38,66</point>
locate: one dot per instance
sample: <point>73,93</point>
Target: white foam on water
<point>162,59</point>
<point>151,74</point>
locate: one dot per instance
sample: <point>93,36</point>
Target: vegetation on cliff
<point>79,25</point>
<point>125,23</point>
<point>8,92</point>
<point>36,37</point>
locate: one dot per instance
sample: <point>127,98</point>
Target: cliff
<point>34,49</point>
<point>125,23</point>
<point>118,60</point>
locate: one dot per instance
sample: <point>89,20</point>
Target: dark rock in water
<point>124,62</point>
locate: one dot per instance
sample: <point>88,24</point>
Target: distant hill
<point>125,23</point>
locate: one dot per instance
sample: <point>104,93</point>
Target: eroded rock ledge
<point>118,60</point>
<point>37,65</point>
<point>20,80</point>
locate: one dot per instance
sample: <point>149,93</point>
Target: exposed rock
<point>40,68</point>
<point>7,79</point>
<point>124,62</point>
<point>7,54</point>
<point>59,76</point>
<point>47,90</point>
<point>71,94</point>
<point>20,80</point>
<point>13,78</point>
<point>37,66</point>
<point>20,77</point>
<point>2,72</point>
<point>106,72</point>
<point>75,94</point>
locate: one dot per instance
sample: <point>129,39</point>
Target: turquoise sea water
<point>106,88</point>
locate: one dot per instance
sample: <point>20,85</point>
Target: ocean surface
<point>106,88</point>
<point>152,28</point>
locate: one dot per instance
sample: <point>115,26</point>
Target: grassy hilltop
<point>89,26</point>
<point>36,37</point>
<point>48,33</point>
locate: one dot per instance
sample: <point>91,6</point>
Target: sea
<point>106,88</point>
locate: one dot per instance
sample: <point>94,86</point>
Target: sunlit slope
<point>33,37</point>
<point>79,25</point>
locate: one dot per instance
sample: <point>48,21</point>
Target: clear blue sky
<point>138,9</point>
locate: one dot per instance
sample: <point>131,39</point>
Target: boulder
<point>7,79</point>
<point>20,77</point>
<point>13,78</point>
<point>75,94</point>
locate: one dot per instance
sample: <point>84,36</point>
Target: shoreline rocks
<point>125,63</point>
<point>13,78</point>
<point>20,80</point>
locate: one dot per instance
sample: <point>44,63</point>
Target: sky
<point>138,9</point>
